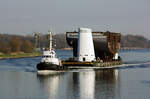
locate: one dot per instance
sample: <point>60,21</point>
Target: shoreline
<point>19,55</point>
<point>132,48</point>
<point>65,49</point>
<point>38,54</point>
<point>24,55</point>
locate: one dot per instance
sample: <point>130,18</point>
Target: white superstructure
<point>49,56</point>
<point>86,51</point>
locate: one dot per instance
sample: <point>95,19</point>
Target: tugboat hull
<point>48,66</point>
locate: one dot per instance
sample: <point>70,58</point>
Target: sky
<point>28,16</point>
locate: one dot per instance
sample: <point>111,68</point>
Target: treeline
<point>128,41</point>
<point>136,41</point>
<point>59,41</point>
<point>27,44</point>
<point>15,44</point>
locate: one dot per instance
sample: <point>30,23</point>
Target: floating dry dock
<point>106,46</point>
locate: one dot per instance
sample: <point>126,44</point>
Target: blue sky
<point>27,16</point>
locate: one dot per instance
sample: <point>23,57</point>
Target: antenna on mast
<point>50,40</point>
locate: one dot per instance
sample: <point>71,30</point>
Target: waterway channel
<point>19,79</point>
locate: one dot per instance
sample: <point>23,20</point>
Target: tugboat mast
<point>50,40</point>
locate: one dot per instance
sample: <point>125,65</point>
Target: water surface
<point>19,80</point>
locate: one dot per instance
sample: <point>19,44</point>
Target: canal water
<point>19,80</point>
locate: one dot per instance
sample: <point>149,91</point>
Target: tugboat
<point>49,61</point>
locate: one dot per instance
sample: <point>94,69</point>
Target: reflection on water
<point>87,84</point>
<point>107,84</point>
<point>81,85</point>
<point>49,84</point>
<point>55,86</point>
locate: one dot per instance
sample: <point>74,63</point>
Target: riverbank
<point>19,55</point>
<point>132,48</point>
<point>67,48</point>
